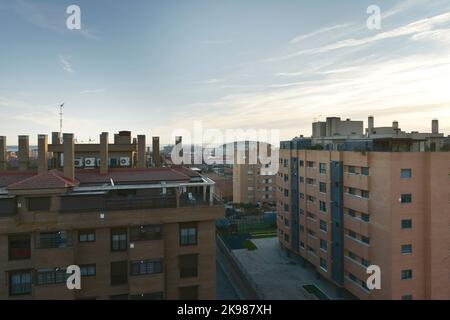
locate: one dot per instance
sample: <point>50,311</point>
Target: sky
<point>154,66</point>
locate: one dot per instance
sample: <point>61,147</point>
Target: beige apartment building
<point>344,210</point>
<point>135,232</point>
<point>253,183</point>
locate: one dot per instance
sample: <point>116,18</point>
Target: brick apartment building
<point>135,232</point>
<point>358,200</point>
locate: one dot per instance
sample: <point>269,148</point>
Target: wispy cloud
<point>318,32</point>
<point>65,63</point>
<point>91,91</point>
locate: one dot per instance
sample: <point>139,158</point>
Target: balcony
<point>139,203</point>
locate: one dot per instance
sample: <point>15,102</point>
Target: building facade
<point>135,233</point>
<point>343,211</point>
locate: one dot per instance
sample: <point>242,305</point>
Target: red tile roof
<point>53,179</point>
<point>56,179</point>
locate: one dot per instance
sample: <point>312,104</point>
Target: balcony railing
<point>141,203</point>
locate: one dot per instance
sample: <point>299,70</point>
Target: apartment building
<point>345,210</point>
<point>253,182</point>
<point>136,233</point>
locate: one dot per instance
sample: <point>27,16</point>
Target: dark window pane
<point>188,265</point>
<point>19,247</point>
<point>39,204</point>
<point>119,273</point>
<point>146,233</point>
<point>188,293</point>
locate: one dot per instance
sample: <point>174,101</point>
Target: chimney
<point>3,154</point>
<point>42,153</point>
<point>104,152</point>
<point>24,152</point>
<point>69,155</point>
<point>56,138</point>
<point>395,125</point>
<point>435,126</point>
<point>142,152</point>
<point>155,152</point>
<point>371,124</point>
<point>179,141</point>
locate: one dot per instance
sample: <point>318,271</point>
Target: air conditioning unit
<point>89,162</point>
<point>124,161</point>
<point>79,162</point>
<point>97,162</point>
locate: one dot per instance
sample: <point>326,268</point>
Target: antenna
<point>61,118</point>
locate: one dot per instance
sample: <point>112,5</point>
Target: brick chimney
<point>42,153</point>
<point>24,152</point>
<point>155,152</point>
<point>3,154</point>
<point>142,151</point>
<point>104,152</point>
<point>69,155</point>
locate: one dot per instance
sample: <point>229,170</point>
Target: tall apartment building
<point>345,210</point>
<point>136,233</point>
<point>253,182</point>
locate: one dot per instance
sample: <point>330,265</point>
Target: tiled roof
<point>53,179</point>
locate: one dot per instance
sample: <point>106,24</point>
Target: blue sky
<point>155,66</point>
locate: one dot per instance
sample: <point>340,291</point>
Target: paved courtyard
<point>278,277</point>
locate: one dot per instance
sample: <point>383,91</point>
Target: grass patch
<point>250,246</point>
<point>312,289</point>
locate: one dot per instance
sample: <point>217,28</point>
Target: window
<point>188,293</point>
<point>286,222</point>
<point>365,262</point>
<point>286,208</point>
<point>148,296</point>
<point>406,224</point>
<point>286,192</point>
<point>406,198</point>
<point>322,168</point>
<point>88,270</point>
<point>365,194</point>
<point>302,196</point>
<point>188,234</point>
<point>323,245</point>
<point>19,247</point>
<point>302,163</point>
<point>119,273</point>
<point>323,264</point>
<point>286,237</point>
<point>353,277</point>
<point>146,233</point>
<point>302,179</point>
<point>364,171</point>
<point>406,249</point>
<point>352,234</point>
<point>323,225</point>
<point>407,297</point>
<point>57,239</point>
<point>351,169</point>
<point>351,191</point>
<point>311,199</point>
<point>323,187</point>
<point>188,265</point>
<point>365,239</point>
<point>322,206</point>
<point>352,255</point>
<point>310,164</point>
<point>352,213</point>
<point>406,173</point>
<point>406,274</point>
<point>310,181</point>
<point>311,250</point>
<point>302,244</point>
<point>19,283</point>
<point>119,239</point>
<point>86,236</point>
<point>145,267</point>
<point>39,204</point>
<point>51,276</point>
<point>365,217</point>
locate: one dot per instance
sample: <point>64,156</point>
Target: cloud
<point>216,42</point>
<point>65,63</point>
<point>92,91</point>
<point>318,32</point>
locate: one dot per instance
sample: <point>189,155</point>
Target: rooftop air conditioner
<point>124,161</point>
<point>89,162</point>
<point>79,162</point>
